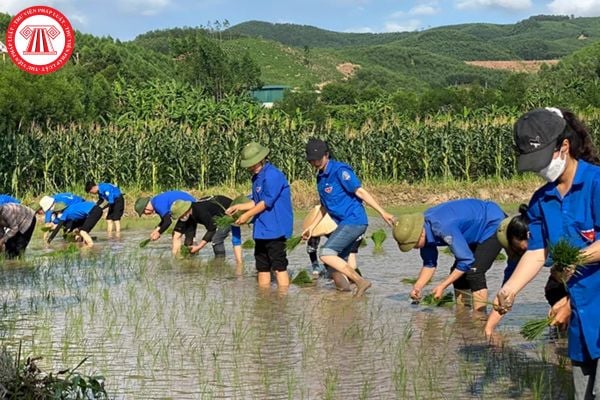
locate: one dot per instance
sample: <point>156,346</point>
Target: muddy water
<point>191,329</point>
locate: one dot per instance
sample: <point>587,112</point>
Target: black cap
<point>316,149</point>
<point>536,134</point>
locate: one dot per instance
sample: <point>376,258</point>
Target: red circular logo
<point>40,40</point>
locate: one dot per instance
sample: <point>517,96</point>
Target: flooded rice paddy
<point>160,328</point>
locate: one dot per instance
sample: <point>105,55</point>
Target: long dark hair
<point>581,145</point>
<point>518,227</point>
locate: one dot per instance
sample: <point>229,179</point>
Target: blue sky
<point>124,19</point>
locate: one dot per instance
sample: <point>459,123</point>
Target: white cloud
<point>504,4</point>
<point>424,9</point>
<point>402,26</point>
<point>78,19</point>
<point>362,29</point>
<point>398,14</point>
<point>580,8</point>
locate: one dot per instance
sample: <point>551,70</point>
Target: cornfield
<point>170,142</point>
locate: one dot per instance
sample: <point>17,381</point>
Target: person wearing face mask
<point>342,196</point>
<point>555,144</point>
<point>513,235</point>
<point>203,212</point>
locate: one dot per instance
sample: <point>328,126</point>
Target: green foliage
<point>24,380</point>
<point>144,243</point>
<point>338,93</point>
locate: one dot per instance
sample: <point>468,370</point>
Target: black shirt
<point>204,211</point>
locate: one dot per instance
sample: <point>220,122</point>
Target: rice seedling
<point>378,237</point>
<point>409,281</point>
<point>248,244</point>
<point>184,251</point>
<point>533,329</point>
<point>46,229</point>
<point>565,256</point>
<point>429,300</point>
<point>292,243</point>
<point>302,278</point>
<point>144,243</point>
<point>224,221</point>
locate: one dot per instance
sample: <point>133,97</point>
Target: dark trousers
<point>15,246</point>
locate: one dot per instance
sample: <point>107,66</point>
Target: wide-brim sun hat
<point>501,232</point>
<point>252,154</point>
<point>408,230</point>
<point>178,208</point>
<point>324,227</point>
<point>140,205</point>
<point>536,134</point>
<point>46,202</point>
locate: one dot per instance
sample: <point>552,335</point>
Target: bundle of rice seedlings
<point>429,300</point>
<point>565,255</point>
<point>409,281</point>
<point>46,229</point>
<point>378,237</point>
<point>223,221</point>
<point>302,278</point>
<point>144,243</point>
<point>248,244</point>
<point>534,328</point>
<point>363,243</point>
<point>184,251</point>
<point>292,243</point>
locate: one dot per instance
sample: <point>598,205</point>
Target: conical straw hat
<point>324,227</point>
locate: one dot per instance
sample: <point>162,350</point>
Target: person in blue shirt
<point>161,204</point>
<point>111,194</point>
<point>8,199</point>
<point>270,212</point>
<point>80,217</point>
<point>555,144</point>
<point>47,203</point>
<point>342,196</point>
<point>513,235</point>
<point>468,227</point>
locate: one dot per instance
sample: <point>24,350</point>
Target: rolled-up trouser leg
<point>218,241</point>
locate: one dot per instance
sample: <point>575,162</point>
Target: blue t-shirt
<point>277,220</point>
<point>108,192</point>
<point>575,217</point>
<point>67,198</point>
<point>337,185</point>
<point>458,224</point>
<point>6,199</point>
<point>75,212</point>
<point>162,202</point>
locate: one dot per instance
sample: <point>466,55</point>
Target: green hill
<point>305,35</point>
<point>538,37</point>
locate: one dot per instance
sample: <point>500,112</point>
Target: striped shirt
<point>15,218</point>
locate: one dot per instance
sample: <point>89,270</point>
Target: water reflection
<point>158,327</point>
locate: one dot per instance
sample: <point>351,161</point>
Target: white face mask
<point>554,169</point>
